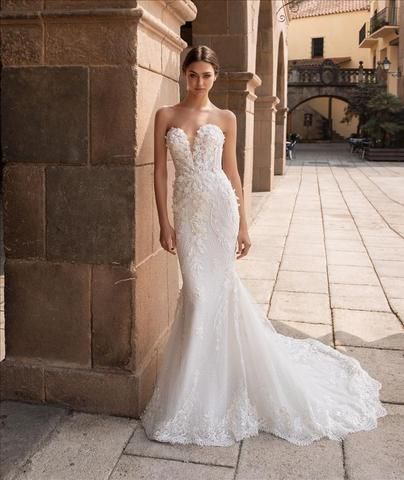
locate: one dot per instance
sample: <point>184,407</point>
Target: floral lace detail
<point>226,373</point>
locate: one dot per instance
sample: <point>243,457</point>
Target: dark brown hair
<point>201,53</point>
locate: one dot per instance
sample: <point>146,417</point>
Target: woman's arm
<point>230,169</point>
<point>167,233</point>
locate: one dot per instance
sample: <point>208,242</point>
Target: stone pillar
<point>89,293</point>
<point>280,139</point>
<point>400,83</point>
<point>235,91</point>
<point>264,142</point>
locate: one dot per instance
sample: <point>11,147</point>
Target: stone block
<point>92,391</point>
<point>44,112</point>
<point>140,445</point>
<point>300,307</point>
<point>91,41</point>
<point>377,454</point>
<point>368,329</point>
<point>303,263</point>
<point>144,212</point>
<point>386,366</point>
<point>352,275</point>
<point>112,93</point>
<point>320,332</point>
<point>47,306</point>
<point>130,468</point>
<point>90,214</point>
<point>21,44</point>
<point>21,5</point>
<point>312,282</point>
<point>112,316</point>
<point>212,18</point>
<point>146,382</point>
<point>21,381</point>
<point>24,221</point>
<point>271,458</point>
<point>151,304</point>
<point>358,297</point>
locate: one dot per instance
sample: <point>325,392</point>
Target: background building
<point>322,30</point>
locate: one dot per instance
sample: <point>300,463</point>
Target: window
<point>317,47</point>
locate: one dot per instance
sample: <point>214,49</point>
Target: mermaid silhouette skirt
<point>226,373</point>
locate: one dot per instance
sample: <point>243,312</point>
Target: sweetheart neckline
<point>196,133</point>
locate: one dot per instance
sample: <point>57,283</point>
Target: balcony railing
<point>330,74</point>
<point>362,33</point>
<point>387,16</point>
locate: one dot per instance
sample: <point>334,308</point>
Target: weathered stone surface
<point>386,366</point>
<point>74,4</point>
<point>91,42</point>
<point>320,332</point>
<point>21,5</point>
<point>23,427</point>
<point>21,45</point>
<point>303,263</point>
<point>146,381</point>
<point>151,303</point>
<point>24,211</point>
<point>112,315</point>
<point>352,275</point>
<point>368,329</point>
<point>271,458</point>
<point>44,112</point>
<point>140,445</point>
<point>358,297</point>
<point>90,214</point>
<point>259,289</point>
<point>300,307</point>
<point>377,454</point>
<point>136,468</point>
<point>314,282</point>
<point>255,269</point>
<point>48,313</point>
<point>83,446</point>
<point>144,212</point>
<point>92,391</point>
<point>21,381</point>
<point>112,115</point>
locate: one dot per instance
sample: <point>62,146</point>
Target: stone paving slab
<point>390,268</point>
<point>312,282</point>
<point>300,307</point>
<point>394,287</point>
<point>267,457</point>
<point>84,446</point>
<point>358,297</point>
<point>386,366</point>
<point>378,454</point>
<point>23,427</point>
<point>140,445</point>
<point>352,275</point>
<point>260,289</point>
<point>320,332</point>
<point>303,263</point>
<point>335,257</point>
<point>264,270</point>
<point>368,329</point>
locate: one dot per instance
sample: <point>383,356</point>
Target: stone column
<point>280,138</point>
<point>235,91</point>
<point>264,142</point>
<point>89,293</point>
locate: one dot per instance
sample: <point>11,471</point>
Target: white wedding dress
<point>227,373</point>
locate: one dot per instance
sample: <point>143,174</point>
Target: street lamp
<point>386,66</point>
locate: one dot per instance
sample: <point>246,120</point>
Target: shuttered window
<point>317,47</point>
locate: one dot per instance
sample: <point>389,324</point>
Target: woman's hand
<point>243,243</point>
<point>167,238</point>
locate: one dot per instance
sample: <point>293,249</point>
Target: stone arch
<point>264,116</point>
<point>281,109</point>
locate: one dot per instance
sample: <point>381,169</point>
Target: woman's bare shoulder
<point>227,119</point>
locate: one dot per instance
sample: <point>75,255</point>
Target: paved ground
<point>328,262</point>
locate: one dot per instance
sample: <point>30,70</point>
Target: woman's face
<point>200,77</point>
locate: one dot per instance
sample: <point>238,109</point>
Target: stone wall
<point>89,293</point>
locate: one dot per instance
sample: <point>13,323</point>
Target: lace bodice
<point>205,152</point>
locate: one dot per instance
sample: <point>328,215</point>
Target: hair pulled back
<point>201,53</point>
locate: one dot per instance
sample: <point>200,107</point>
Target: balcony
<point>364,40</point>
<point>383,22</point>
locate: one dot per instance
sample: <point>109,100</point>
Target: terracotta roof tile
<point>314,8</point>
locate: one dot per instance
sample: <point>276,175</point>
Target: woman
<point>227,373</point>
